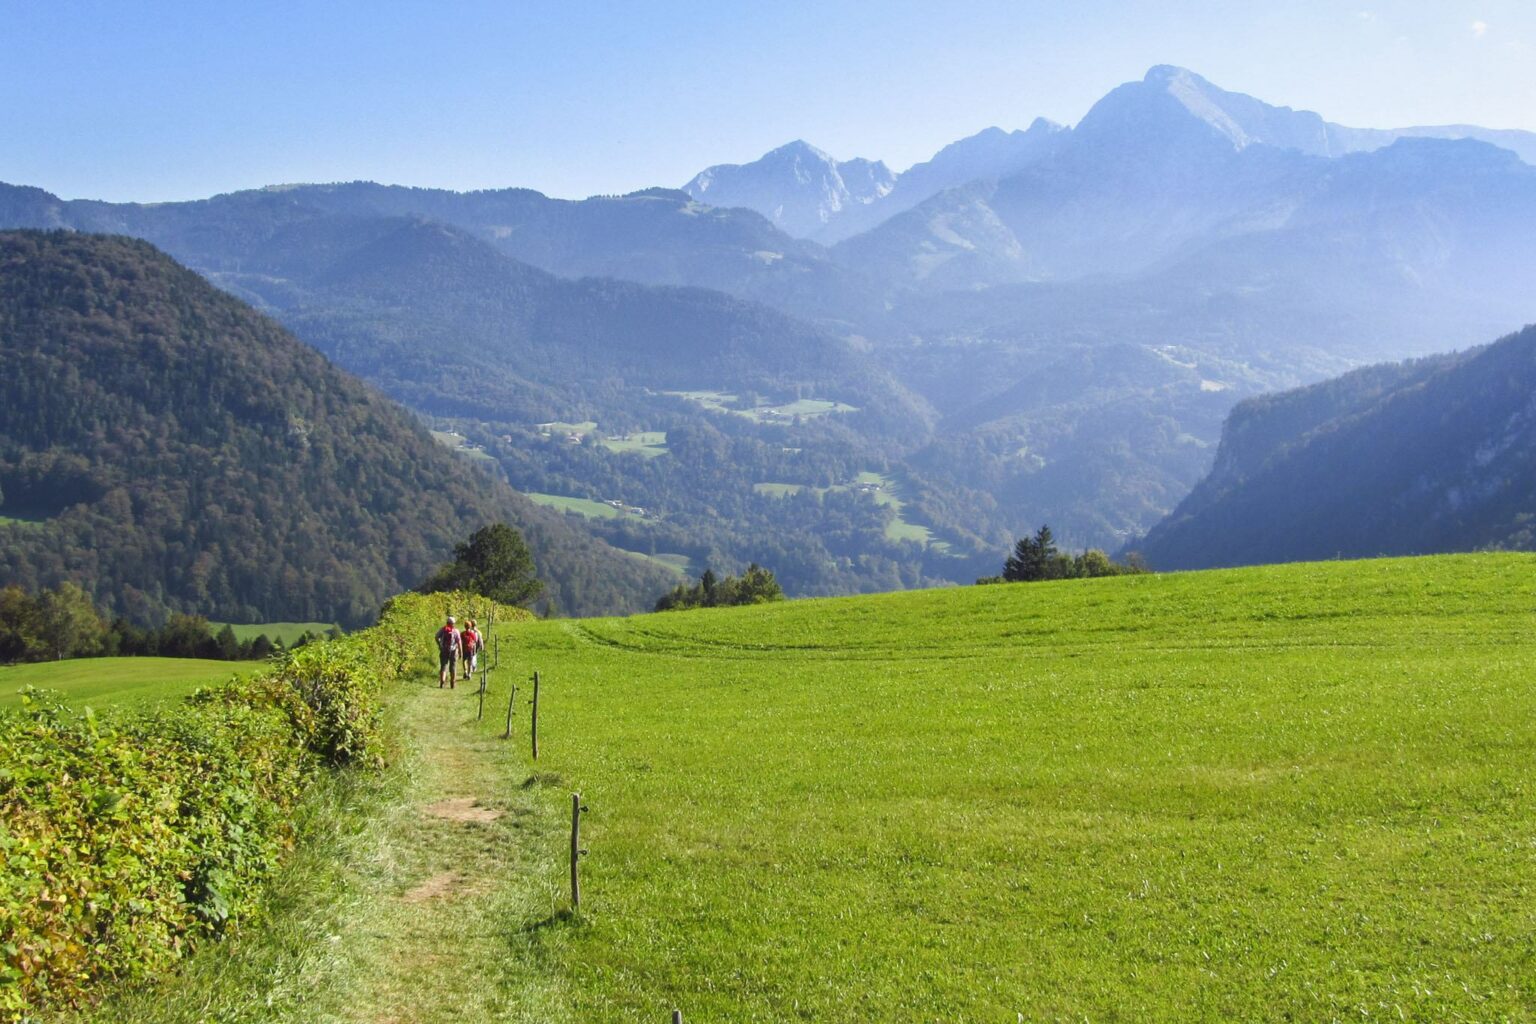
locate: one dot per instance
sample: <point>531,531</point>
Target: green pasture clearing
<point>559,427</point>
<point>768,412</point>
<point>672,562</point>
<point>582,506</point>
<point>879,487</point>
<point>103,682</point>
<point>287,632</point>
<point>649,443</point>
<point>1289,793</point>
<point>6,520</point>
<point>457,441</point>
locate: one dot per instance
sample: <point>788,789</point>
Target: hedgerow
<point>126,840</point>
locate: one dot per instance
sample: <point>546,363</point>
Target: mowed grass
<point>124,682</point>
<point>1291,793</point>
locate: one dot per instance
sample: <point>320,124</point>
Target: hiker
<point>450,647</point>
<point>472,644</point>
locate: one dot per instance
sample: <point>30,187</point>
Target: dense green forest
<point>171,450</point>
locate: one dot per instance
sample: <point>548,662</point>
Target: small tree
<point>70,624</point>
<point>494,563</point>
<point>229,644</point>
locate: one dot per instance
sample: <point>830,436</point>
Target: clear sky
<point>147,100</point>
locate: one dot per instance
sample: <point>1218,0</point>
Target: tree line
<point>1037,558</point>
<point>64,623</point>
<point>755,586</point>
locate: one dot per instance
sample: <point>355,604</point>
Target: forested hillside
<point>1435,455</point>
<point>170,449</point>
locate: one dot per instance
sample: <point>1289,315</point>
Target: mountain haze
<point>1432,456</point>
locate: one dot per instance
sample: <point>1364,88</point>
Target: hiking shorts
<point>446,661</point>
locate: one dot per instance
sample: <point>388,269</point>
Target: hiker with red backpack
<point>472,643</point>
<point>450,648</point>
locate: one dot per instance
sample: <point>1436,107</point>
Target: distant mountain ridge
<point>1432,456</point>
<point>797,186</point>
<point>805,203</point>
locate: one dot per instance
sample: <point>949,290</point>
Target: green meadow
<point>723,401</point>
<point>649,443</point>
<point>883,491</point>
<point>581,506</point>
<point>119,682</point>
<point>287,632</point>
<point>1291,793</point>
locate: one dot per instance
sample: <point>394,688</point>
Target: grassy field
<point>649,443</point>
<point>1294,793</point>
<point>457,441</point>
<point>288,632</point>
<point>560,427</point>
<point>883,490</point>
<point>119,681</point>
<point>723,401</point>
<point>670,561</point>
<point>581,506</point>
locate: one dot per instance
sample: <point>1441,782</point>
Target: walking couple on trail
<point>456,647</point>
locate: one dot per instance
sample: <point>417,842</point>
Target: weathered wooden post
<point>533,728</point>
<point>511,702</point>
<point>677,1017</point>
<point>576,850</point>
<point>481,712</point>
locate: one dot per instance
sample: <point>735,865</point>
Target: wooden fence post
<point>481,712</point>
<point>576,850</point>
<point>511,701</point>
<point>677,1017</point>
<point>533,728</point>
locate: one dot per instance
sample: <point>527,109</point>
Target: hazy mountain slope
<point>1157,169</point>
<point>988,156</point>
<point>446,323</point>
<point>1433,456</point>
<point>797,186</point>
<point>659,236</point>
<point>171,449</point>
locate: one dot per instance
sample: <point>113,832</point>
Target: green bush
<point>126,840</point>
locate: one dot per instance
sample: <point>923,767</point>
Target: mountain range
<point>800,188</point>
<point>1041,325</point>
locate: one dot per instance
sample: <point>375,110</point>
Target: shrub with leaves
<point>126,840</point>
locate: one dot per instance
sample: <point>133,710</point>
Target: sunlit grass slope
<point>1298,793</point>
<point>119,681</point>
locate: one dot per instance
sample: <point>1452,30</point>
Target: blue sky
<point>170,100</point>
